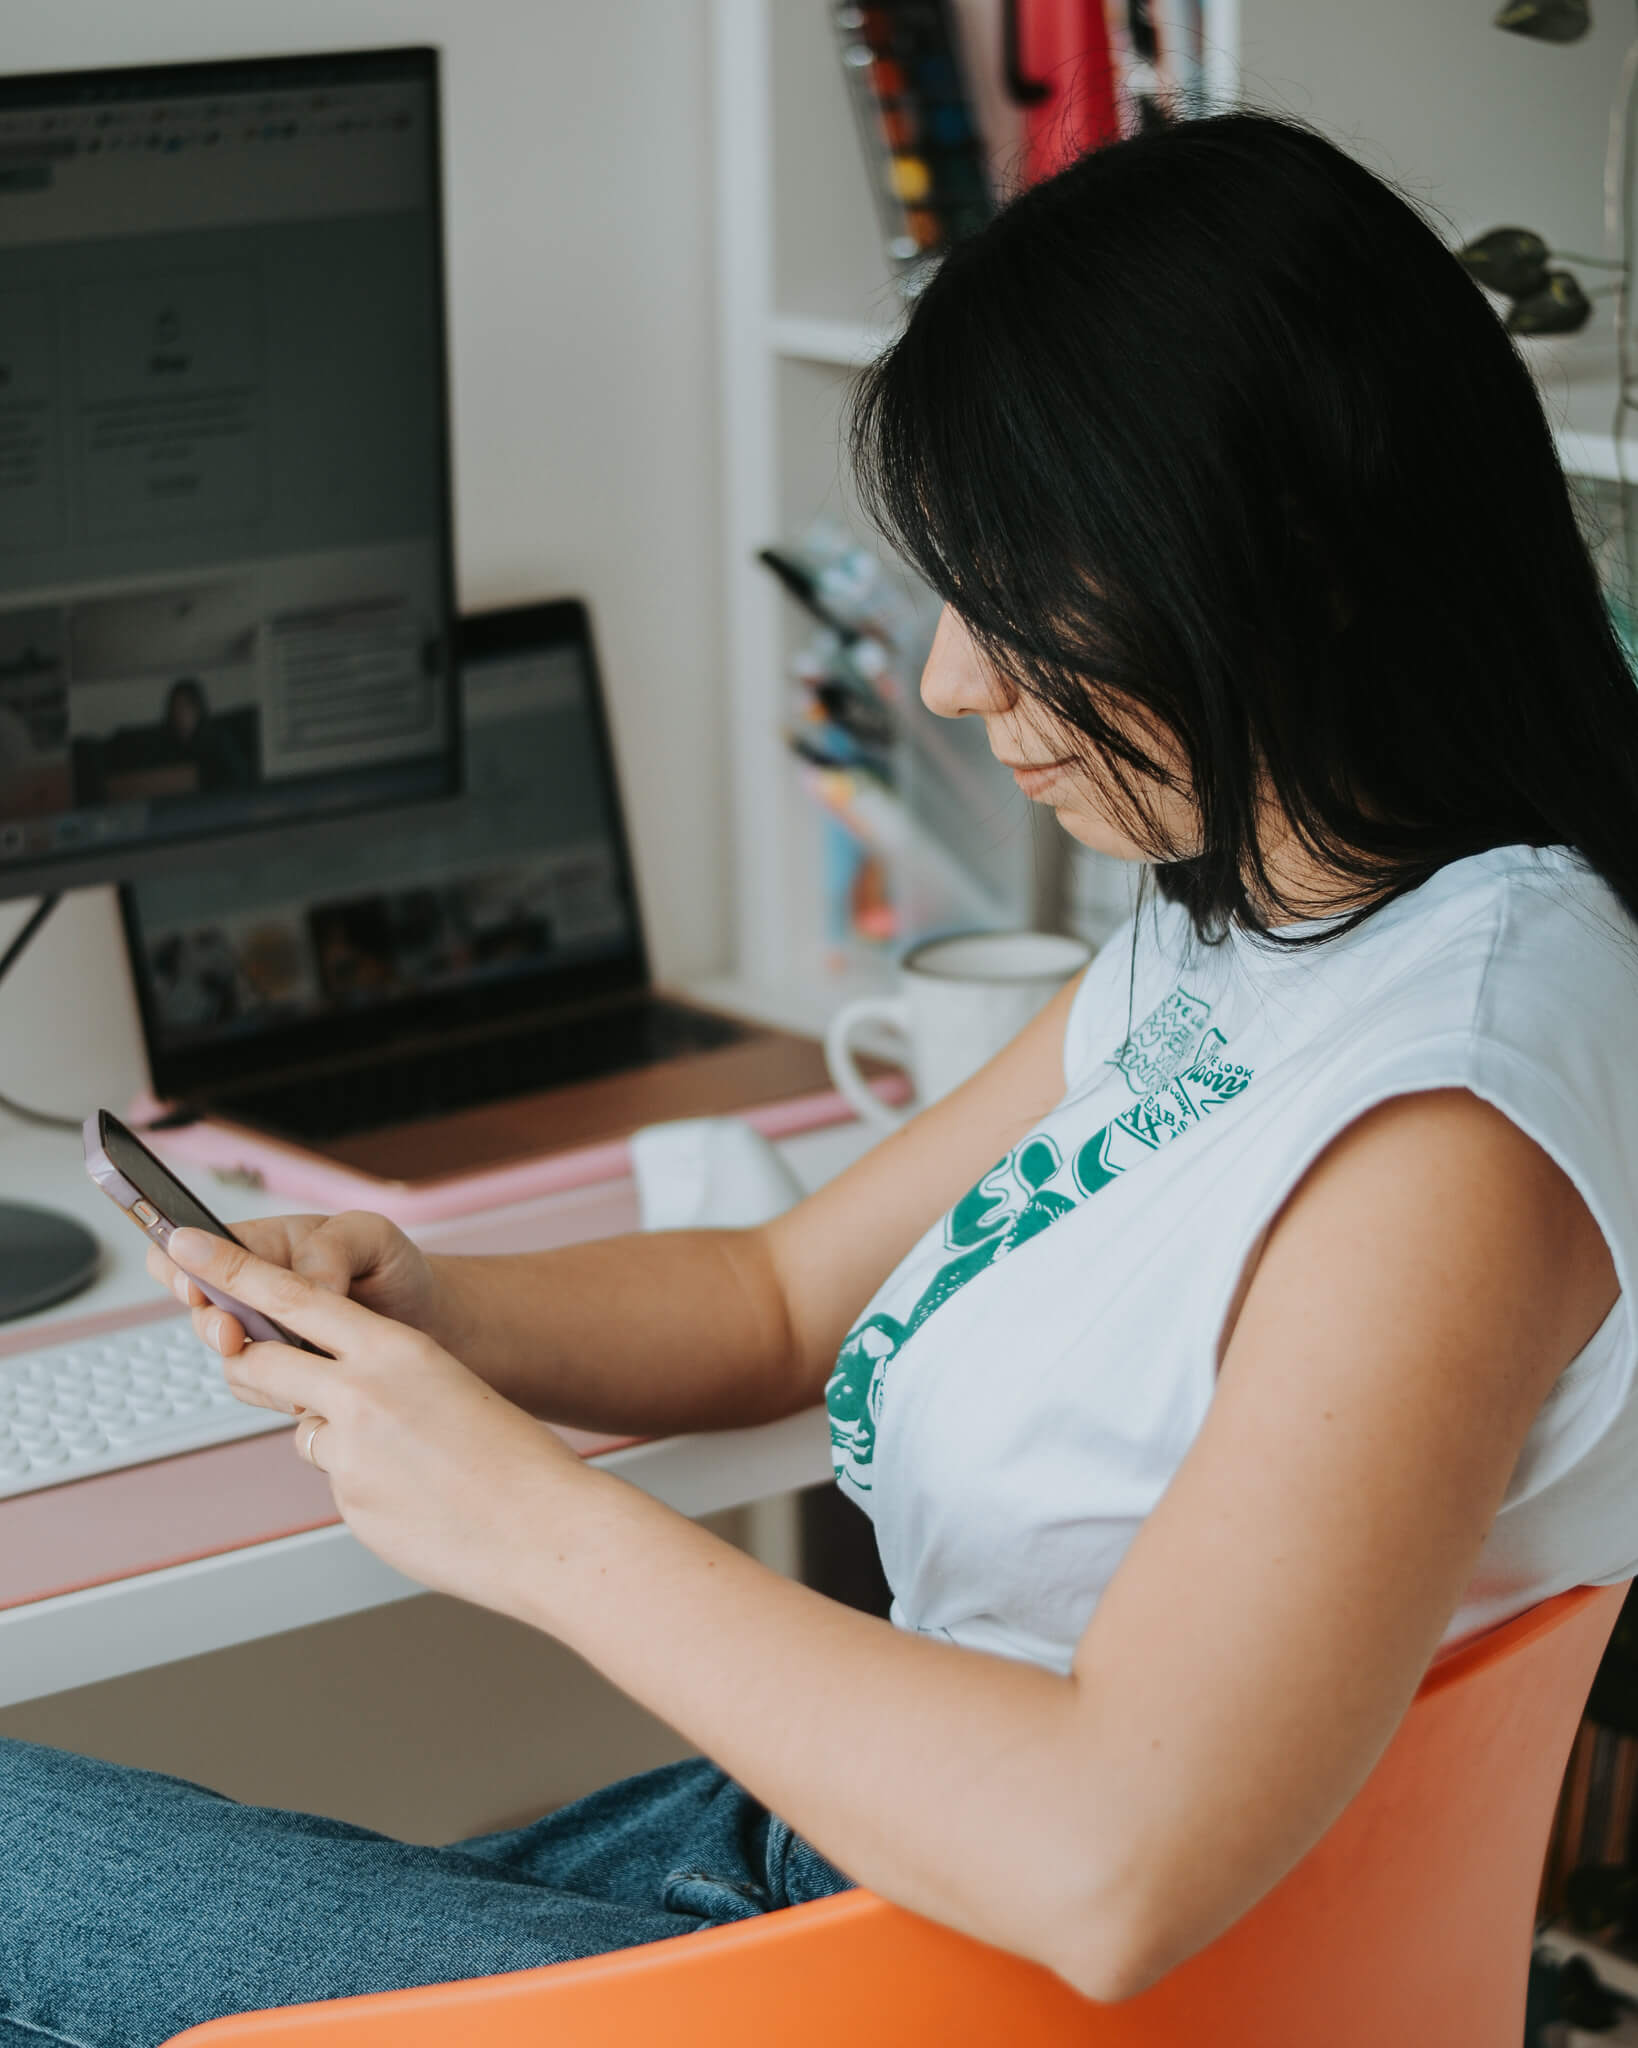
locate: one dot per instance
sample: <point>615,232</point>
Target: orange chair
<point>1409,1923</point>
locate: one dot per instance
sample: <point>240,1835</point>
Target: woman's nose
<point>955,681</point>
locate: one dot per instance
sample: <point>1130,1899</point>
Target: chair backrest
<point>1410,1922</point>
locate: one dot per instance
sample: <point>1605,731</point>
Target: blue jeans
<point>133,1905</point>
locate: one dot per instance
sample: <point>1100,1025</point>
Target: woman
<point>1285,1344</point>
<point>190,732</point>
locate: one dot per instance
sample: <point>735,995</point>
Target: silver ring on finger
<point>308,1428</point>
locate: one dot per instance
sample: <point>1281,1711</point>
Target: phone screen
<point>162,1188</point>
<point>130,1158</point>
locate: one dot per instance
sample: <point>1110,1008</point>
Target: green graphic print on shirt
<point>1163,1042</point>
<point>1026,1193</point>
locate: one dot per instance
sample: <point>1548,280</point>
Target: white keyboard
<point>68,1410</point>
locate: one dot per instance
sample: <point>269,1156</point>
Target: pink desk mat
<point>287,1170</point>
<point>115,1525</point>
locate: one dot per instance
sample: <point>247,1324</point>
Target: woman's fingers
<point>169,1275</point>
<point>278,1239</point>
<point>218,1328</point>
<point>278,1376</point>
<point>330,1251</point>
<point>312,1311</point>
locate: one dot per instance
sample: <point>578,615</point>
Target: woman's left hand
<point>432,1469</point>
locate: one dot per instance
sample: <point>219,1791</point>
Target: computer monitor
<point>226,594</point>
<point>226,582</point>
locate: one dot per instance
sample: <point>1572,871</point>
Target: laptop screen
<point>525,899</point>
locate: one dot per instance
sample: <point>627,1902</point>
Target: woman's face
<point>1043,757</point>
<point>957,683</point>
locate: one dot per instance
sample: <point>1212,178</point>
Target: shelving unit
<point>806,298</point>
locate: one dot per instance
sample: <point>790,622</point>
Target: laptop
<point>437,1005</point>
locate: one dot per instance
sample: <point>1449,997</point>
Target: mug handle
<point>849,1081</point>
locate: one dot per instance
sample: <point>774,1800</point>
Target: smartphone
<point>158,1203</point>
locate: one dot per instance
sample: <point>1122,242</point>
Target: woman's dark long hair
<point>1211,436</point>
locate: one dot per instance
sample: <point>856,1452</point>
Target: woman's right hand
<point>356,1253</point>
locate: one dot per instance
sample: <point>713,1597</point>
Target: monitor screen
<point>527,895</point>
<point>225,592</point>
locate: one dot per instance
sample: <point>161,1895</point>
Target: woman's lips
<point>1033,780</point>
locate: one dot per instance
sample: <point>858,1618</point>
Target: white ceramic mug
<point>960,1001</point>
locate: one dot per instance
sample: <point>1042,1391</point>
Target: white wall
<point>578,181</point>
<point>1495,130</point>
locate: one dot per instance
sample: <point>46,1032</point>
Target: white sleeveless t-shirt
<point>1018,1394</point>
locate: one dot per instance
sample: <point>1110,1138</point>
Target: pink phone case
<point>145,1212</point>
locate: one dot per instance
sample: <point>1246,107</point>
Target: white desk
<point>237,1586</point>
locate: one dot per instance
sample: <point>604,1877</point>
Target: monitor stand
<point>44,1258</point>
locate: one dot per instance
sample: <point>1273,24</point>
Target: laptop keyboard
<point>399,1091</point>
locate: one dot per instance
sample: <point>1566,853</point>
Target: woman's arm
<point>675,1330</point>
<point>1414,1301</point>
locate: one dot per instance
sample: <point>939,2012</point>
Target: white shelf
<point>1579,398</point>
<point>1578,389</point>
<point>1587,452</point>
<point>849,344</point>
